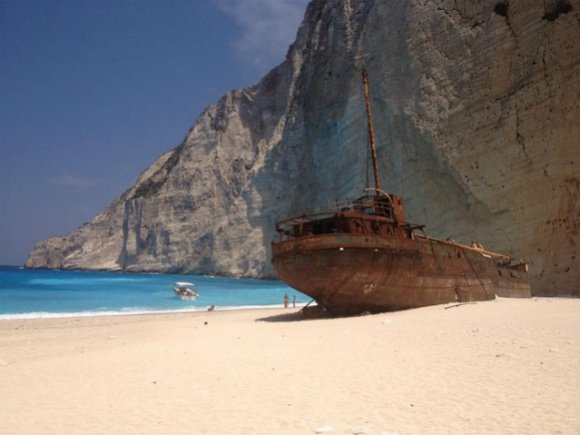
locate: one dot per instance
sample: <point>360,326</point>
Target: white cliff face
<point>477,121</point>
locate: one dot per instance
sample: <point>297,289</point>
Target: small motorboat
<point>185,290</point>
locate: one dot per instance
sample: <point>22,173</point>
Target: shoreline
<point>83,314</point>
<point>502,366</point>
<point>142,312</point>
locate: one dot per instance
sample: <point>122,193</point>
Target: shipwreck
<point>362,256</point>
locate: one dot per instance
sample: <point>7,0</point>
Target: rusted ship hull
<point>351,273</point>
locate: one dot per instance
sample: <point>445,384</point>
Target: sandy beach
<point>505,366</point>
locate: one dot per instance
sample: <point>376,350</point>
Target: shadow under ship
<point>363,256</point>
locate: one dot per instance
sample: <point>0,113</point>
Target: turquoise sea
<point>30,293</point>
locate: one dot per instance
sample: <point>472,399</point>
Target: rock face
<point>477,117</point>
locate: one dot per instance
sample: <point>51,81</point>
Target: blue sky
<point>92,92</point>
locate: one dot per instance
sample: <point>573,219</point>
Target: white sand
<point>506,366</point>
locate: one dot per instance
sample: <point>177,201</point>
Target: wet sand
<point>503,366</point>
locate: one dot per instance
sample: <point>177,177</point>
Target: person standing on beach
<point>285,301</point>
<point>294,301</point>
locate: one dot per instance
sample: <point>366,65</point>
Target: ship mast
<point>365,79</point>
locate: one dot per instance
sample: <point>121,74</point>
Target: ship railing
<point>286,226</point>
<point>369,204</point>
<point>365,204</point>
<point>500,259</point>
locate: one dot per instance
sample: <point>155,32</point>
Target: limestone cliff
<point>477,114</point>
